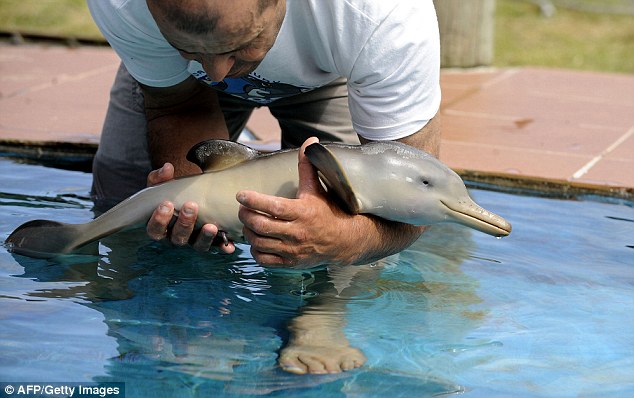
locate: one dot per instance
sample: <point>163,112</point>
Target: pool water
<point>545,312</point>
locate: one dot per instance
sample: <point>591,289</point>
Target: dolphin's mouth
<point>468,213</point>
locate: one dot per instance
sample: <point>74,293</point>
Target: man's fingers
<point>159,223</point>
<point>268,259</point>
<point>308,177</point>
<point>207,237</point>
<point>184,225</point>
<point>227,248</point>
<point>161,175</point>
<point>262,242</point>
<point>182,230</point>
<point>160,220</point>
<point>276,207</point>
<point>270,251</point>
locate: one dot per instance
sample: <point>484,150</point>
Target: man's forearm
<point>171,136</point>
<point>385,238</point>
<point>177,119</point>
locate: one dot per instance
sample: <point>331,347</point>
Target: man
<point>194,69</point>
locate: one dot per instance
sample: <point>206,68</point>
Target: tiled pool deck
<point>541,127</point>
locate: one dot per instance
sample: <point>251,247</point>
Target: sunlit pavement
<point>559,125</point>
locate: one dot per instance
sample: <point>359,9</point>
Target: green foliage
<point>523,36</point>
<point>568,39</point>
<point>68,18</point>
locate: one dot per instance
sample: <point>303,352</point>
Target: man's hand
<point>303,232</point>
<point>158,227</point>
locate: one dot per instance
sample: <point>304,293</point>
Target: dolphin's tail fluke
<point>45,239</point>
<point>48,239</point>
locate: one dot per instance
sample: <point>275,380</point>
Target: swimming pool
<point>544,312</point>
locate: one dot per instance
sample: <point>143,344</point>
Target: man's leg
<point>122,162</point>
<point>317,342</point>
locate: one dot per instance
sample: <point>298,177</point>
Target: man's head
<point>229,38</point>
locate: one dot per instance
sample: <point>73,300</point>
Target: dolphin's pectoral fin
<point>215,155</point>
<point>333,175</point>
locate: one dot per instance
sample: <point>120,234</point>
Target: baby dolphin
<point>387,179</point>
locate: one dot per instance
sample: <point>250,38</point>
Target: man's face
<point>237,44</point>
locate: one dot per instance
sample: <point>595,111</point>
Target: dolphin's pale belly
<point>215,192</point>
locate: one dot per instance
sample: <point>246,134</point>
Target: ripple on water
<point>458,311</point>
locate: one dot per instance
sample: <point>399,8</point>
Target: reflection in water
<point>171,322</point>
<point>545,312</point>
<point>205,322</point>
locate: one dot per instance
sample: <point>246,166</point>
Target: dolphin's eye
<point>425,181</point>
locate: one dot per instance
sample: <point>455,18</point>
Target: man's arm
<point>311,230</point>
<point>427,138</point>
<point>179,117</point>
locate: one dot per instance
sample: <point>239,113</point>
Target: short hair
<point>200,20</point>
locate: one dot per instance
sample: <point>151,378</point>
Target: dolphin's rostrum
<point>387,179</point>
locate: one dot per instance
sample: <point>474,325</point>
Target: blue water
<point>545,312</point>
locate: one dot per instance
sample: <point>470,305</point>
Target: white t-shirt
<point>388,51</point>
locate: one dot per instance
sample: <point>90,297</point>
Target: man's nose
<point>218,66</point>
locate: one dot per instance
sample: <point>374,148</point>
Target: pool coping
<point>78,156</point>
<point>547,130</point>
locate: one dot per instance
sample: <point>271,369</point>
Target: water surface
<point>544,312</point>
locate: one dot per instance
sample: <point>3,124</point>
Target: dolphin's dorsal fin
<point>333,175</point>
<point>215,155</point>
